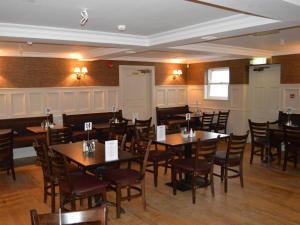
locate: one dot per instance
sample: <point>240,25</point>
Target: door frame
<point>152,86</point>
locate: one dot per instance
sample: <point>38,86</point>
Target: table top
<point>178,140</point>
<point>5,131</point>
<point>99,126</point>
<point>74,152</point>
<point>279,127</point>
<point>41,130</point>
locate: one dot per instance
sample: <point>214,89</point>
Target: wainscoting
<point>29,102</point>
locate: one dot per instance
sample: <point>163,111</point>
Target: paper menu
<point>111,150</point>
<point>161,133</point>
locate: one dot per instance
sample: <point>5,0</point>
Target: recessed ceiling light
<point>121,27</point>
<point>209,37</point>
<point>130,52</point>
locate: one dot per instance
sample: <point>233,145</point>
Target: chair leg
<point>226,179</point>
<point>295,159</point>
<point>13,171</point>
<point>285,160</point>
<point>128,193</point>
<point>73,204</point>
<point>155,170</point>
<point>173,175</point>
<point>252,153</point>
<point>118,200</point>
<point>222,173</point>
<point>90,203</point>
<point>279,155</point>
<point>194,189</point>
<point>241,175</point>
<point>212,186</point>
<point>52,197</point>
<point>45,191</point>
<point>166,166</point>
<point>143,186</point>
<point>262,154</point>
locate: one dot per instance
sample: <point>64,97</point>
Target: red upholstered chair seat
<point>122,176</point>
<point>84,183</point>
<point>202,166</point>
<point>220,159</point>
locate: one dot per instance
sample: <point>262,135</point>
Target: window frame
<point>208,83</point>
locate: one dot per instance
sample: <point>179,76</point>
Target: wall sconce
<point>80,73</point>
<point>176,73</point>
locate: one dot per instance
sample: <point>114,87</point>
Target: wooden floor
<point>270,196</point>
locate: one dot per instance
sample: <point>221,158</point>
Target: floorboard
<point>270,196</point>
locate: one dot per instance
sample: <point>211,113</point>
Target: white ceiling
<point>157,31</point>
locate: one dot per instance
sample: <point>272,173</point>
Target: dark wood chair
<point>206,121</point>
<point>292,144</point>
<point>96,216</point>
<point>129,178</point>
<point>59,136</point>
<point>201,165</point>
<point>49,180</point>
<point>275,138</point>
<point>259,139</point>
<point>221,124</point>
<point>75,186</point>
<point>6,152</point>
<point>143,125</point>
<point>117,130</point>
<point>231,158</point>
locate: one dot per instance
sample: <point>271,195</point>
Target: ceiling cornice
<point>226,49</point>
<point>226,24</point>
<point>71,35</point>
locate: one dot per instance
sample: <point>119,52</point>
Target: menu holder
<point>111,150</point>
<point>161,133</point>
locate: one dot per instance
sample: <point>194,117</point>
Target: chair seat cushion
<point>122,176</point>
<point>157,155</point>
<point>202,165</point>
<point>84,183</point>
<point>220,159</point>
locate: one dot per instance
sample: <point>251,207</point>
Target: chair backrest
<point>6,145</point>
<point>143,125</point>
<point>223,118</point>
<point>206,150</point>
<point>60,170</point>
<point>258,130</point>
<point>291,135</point>
<point>145,160</point>
<point>42,157</point>
<point>236,145</point>
<point>207,119</point>
<point>59,136</point>
<point>97,215</point>
<point>117,130</point>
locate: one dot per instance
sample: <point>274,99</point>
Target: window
<point>217,83</point>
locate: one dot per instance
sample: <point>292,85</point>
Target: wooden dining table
<point>177,139</point>
<point>106,125</point>
<point>89,160</point>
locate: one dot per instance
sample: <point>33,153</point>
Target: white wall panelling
<point>168,96</point>
<point>29,102</point>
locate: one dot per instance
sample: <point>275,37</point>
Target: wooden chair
<point>143,125</point>
<point>292,145</point>
<point>59,136</point>
<point>274,139</point>
<point>232,157</point>
<point>96,216</point>
<point>117,130</point>
<point>49,180</point>
<point>259,139</point>
<point>221,124</point>
<point>206,121</point>
<point>6,152</point>
<point>75,186</point>
<point>128,178</point>
<point>201,165</point>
